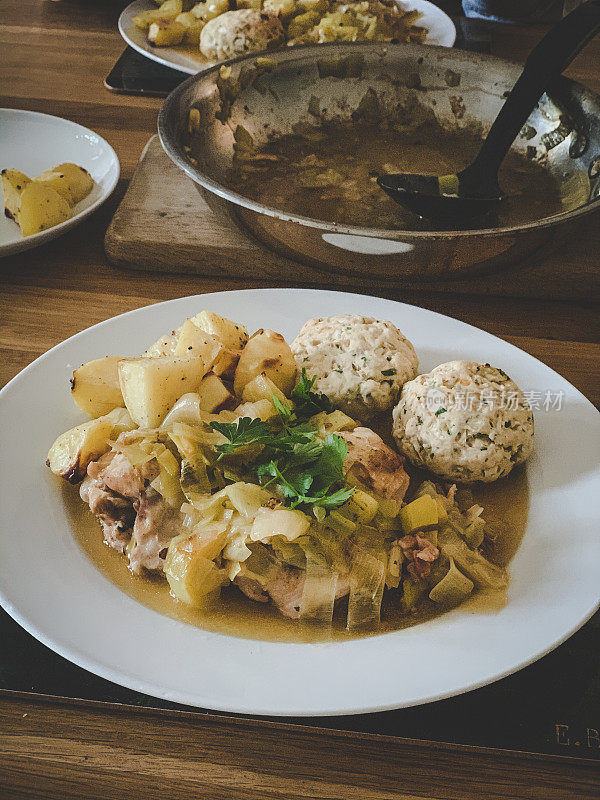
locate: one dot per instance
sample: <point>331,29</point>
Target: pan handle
<point>545,63</point>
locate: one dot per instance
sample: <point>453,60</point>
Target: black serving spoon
<point>475,191</point>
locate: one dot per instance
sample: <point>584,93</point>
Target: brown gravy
<point>329,173</point>
<point>236,615</point>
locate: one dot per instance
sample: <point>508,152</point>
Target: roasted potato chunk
<point>165,346</point>
<point>266,353</point>
<point>232,335</point>
<point>41,208</point>
<point>70,181</point>
<point>193,341</point>
<point>284,8</point>
<point>151,386</point>
<point>213,394</point>
<point>193,28</point>
<point>167,11</point>
<point>77,181</point>
<point>95,386</point>
<point>71,453</point>
<point>13,183</point>
<point>166,33</point>
<point>209,9</point>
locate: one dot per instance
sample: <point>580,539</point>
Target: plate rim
<point>125,21</point>
<point>37,239</point>
<point>100,668</point>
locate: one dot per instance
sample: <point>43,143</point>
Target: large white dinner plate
<point>54,591</point>
<point>35,142</point>
<point>440,31</point>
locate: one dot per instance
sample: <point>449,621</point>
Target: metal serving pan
<point>268,96</point>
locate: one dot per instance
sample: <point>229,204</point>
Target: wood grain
<point>99,751</point>
<point>163,205</point>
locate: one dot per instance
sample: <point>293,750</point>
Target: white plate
<point>35,142</point>
<point>54,591</point>
<point>441,32</point>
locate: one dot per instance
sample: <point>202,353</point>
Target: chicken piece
<point>134,518</point>
<point>156,523</point>
<point>284,587</point>
<point>116,514</point>
<point>374,463</point>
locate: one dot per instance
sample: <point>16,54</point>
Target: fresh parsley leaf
<point>305,452</point>
<point>307,403</point>
<point>283,411</point>
<point>242,432</point>
<point>312,472</point>
<point>331,458</point>
<point>441,410</point>
<point>306,469</point>
<point>335,499</point>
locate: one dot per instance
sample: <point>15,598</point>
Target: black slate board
<point>551,707</point>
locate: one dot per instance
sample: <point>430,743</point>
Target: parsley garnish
<point>440,410</point>
<point>242,432</point>
<point>311,473</point>
<point>306,469</point>
<point>308,402</point>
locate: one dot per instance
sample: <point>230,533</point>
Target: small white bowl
<point>35,142</point>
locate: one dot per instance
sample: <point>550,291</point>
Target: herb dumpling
<point>360,363</point>
<point>464,421</point>
<point>237,32</point>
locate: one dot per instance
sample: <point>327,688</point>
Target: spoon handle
<point>545,63</point>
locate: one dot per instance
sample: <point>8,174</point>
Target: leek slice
<point>366,590</point>
<point>394,567</point>
<point>194,480</point>
<point>167,461</point>
<point>318,594</point>
<point>361,507</point>
<point>388,508</point>
<point>189,566</point>
<point>473,564</point>
<point>259,564</point>
<point>169,487</point>
<point>340,524</point>
<point>287,522</point>
<point>475,532</point>
<point>289,552</point>
<point>453,588</point>
<point>412,593</point>
<point>136,454</point>
<point>247,498</point>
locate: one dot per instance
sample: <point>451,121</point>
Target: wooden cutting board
<point>164,224</point>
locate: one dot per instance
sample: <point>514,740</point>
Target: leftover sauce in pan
<point>506,500</point>
<point>329,173</point>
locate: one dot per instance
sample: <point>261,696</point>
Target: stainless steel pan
<point>464,90</point>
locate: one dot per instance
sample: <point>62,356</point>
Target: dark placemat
<point>551,707</point>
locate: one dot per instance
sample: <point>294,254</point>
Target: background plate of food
<point>54,173</point>
<point>208,32</point>
<point>359,520</point>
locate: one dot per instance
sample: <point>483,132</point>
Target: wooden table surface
<point>54,59</point>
